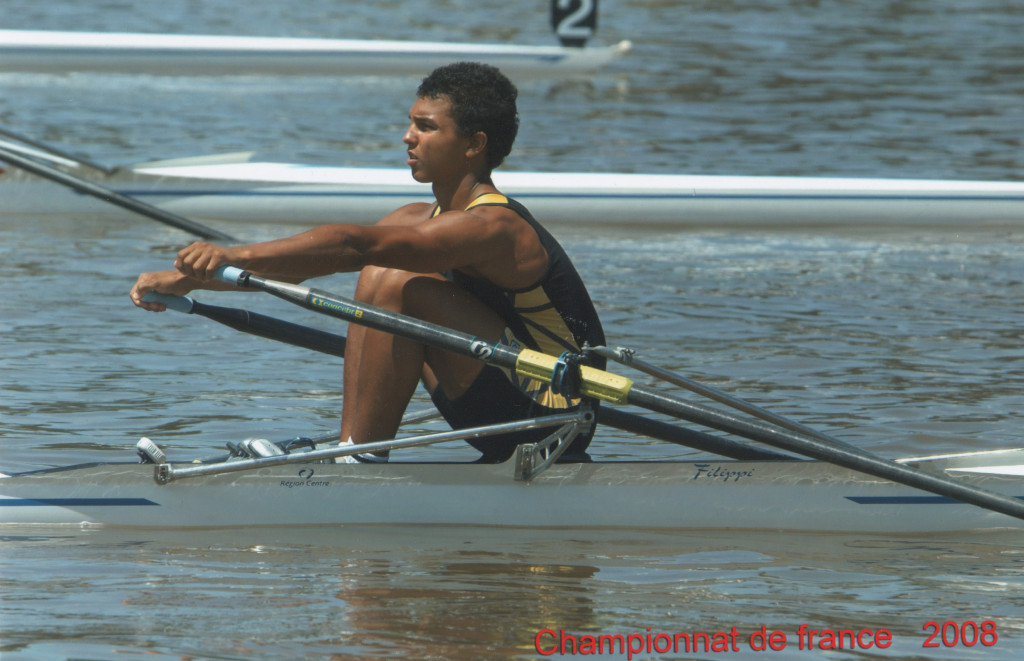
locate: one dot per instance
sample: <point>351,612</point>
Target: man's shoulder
<point>409,214</point>
<point>503,219</point>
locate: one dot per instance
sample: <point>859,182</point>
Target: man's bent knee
<point>429,296</point>
<point>390,288</point>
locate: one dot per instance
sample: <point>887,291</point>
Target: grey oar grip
<point>176,303</point>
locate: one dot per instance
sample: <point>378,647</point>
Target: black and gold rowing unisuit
<point>553,316</point>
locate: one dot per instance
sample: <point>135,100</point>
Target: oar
<point>628,357</point>
<point>620,390</point>
<point>107,195</point>
<point>331,344</point>
<point>691,438</point>
<point>256,324</point>
<point>63,155</point>
<point>32,152</point>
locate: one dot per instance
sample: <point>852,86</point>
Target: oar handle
<point>177,303</point>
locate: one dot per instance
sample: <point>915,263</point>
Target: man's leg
<point>382,370</point>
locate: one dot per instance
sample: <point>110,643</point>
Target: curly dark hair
<point>481,99</point>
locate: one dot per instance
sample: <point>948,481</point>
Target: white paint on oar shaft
<point>115,198</point>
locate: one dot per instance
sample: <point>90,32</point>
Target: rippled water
<point>900,342</point>
<point>893,88</point>
<point>440,593</point>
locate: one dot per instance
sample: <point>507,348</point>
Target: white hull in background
<point>52,52</point>
<point>311,194</point>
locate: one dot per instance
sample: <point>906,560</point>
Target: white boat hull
<point>783,495</point>
<point>37,51</point>
<point>311,195</point>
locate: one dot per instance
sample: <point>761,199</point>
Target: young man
<point>473,260</point>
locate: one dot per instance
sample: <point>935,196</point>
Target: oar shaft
<point>256,324</point>
<point>274,329</point>
<point>56,152</point>
<point>376,318</point>
<point>663,431</point>
<point>107,195</point>
<point>526,362</point>
<point>626,357</point>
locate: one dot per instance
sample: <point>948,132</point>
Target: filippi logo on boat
<point>338,307</point>
<point>707,471</point>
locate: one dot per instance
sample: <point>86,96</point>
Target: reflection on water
<point>458,593</point>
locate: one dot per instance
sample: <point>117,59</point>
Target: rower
<point>473,260</point>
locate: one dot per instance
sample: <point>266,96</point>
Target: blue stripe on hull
<point>908,500</point>
<point>76,502</point>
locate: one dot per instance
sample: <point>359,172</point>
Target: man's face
<point>436,149</point>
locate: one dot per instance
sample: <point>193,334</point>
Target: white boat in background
<point>231,188</point>
<point>315,194</point>
<point>53,52</point>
